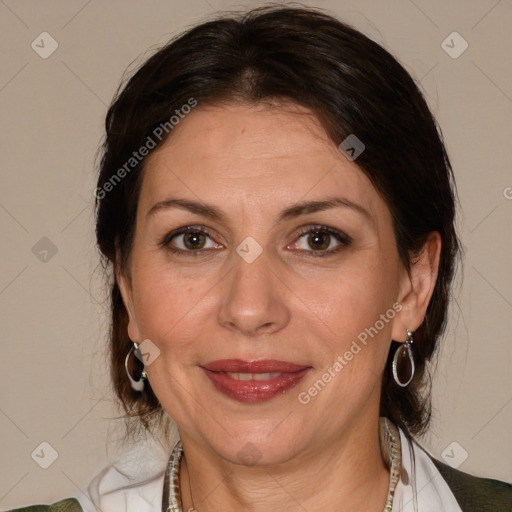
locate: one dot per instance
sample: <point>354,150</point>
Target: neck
<point>349,469</point>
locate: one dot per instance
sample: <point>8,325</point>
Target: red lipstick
<point>253,381</point>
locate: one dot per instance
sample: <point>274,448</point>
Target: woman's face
<point>279,249</point>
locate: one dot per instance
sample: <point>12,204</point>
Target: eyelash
<point>341,237</point>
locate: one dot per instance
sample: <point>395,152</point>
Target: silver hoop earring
<point>137,385</point>
<point>407,346</point>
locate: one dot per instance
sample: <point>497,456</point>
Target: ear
<point>416,287</point>
<point>123,280</point>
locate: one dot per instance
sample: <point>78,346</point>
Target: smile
<point>253,382</point>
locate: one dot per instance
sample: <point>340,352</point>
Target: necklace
<point>390,446</point>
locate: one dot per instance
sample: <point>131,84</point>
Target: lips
<point>253,381</point>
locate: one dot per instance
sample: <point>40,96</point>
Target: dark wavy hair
<point>353,86</point>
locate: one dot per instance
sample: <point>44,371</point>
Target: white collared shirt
<point>428,491</point>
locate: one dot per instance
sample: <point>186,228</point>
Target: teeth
<point>253,376</point>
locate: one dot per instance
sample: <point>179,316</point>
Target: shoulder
<point>136,474</point>
<point>474,493</point>
<point>67,505</point>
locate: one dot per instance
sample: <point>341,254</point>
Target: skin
<point>252,162</point>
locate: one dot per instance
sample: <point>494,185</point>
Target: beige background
<point>53,377</point>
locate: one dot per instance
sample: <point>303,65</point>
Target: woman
<point>277,206</point>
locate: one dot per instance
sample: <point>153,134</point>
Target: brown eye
<point>322,241</point>
<point>189,241</point>
<point>194,240</point>
<point>319,240</point>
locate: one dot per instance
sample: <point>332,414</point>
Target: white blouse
<point>135,481</point>
<point>426,490</point>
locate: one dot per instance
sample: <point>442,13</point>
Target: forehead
<point>260,130</point>
<point>258,154</point>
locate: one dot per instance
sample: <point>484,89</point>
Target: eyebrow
<point>296,210</point>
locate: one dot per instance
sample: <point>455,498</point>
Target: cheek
<point>353,298</point>
<point>359,315</point>
<point>167,305</point>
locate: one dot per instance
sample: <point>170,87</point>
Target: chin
<point>258,450</point>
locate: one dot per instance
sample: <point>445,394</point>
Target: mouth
<point>253,381</point>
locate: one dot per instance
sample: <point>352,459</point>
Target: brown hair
<point>354,86</point>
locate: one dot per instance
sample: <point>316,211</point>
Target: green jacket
<point>472,493</point>
<point>475,494</point>
<point>67,505</point>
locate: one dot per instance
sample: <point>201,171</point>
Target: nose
<point>254,300</point>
